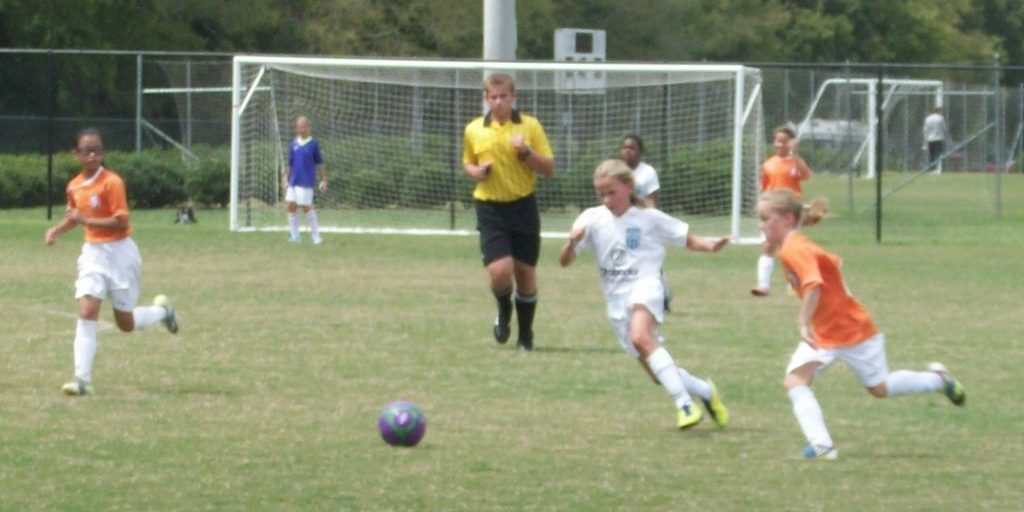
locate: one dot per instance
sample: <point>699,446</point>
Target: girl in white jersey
<point>629,242</point>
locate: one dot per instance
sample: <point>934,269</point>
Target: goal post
<point>841,124</point>
<point>391,135</point>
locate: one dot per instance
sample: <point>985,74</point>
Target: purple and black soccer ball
<point>402,423</point>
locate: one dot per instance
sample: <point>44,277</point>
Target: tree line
<point>920,31</point>
<point>750,31</point>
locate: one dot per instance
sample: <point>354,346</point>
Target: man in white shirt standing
<point>935,132</point>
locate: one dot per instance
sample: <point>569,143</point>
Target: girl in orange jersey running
<point>783,171</point>
<point>110,264</point>
<point>832,324</point>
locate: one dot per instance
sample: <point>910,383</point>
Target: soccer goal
<point>839,131</point>
<point>391,134</point>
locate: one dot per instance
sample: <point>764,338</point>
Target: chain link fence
<point>858,124</point>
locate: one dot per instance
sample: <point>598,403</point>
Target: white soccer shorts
<point>866,359</point>
<point>110,270</point>
<point>302,196</point>
<point>647,292</point>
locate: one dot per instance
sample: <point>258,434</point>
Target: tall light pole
<point>500,33</point>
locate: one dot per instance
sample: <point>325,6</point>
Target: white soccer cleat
<point>77,387</point>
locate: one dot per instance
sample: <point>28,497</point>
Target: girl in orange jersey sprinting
<point>832,324</point>
<point>110,264</point>
<point>783,171</point>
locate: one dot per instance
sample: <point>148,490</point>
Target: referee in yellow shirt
<point>504,151</point>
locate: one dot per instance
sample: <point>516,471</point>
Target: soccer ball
<point>402,423</point>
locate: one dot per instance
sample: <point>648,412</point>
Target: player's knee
<point>643,343</point>
<point>125,321</point>
<point>794,380</point>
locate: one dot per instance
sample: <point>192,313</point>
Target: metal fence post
<point>51,98</point>
<point>879,153</point>
<point>138,106</point>
<point>1000,159</point>
<point>849,128</point>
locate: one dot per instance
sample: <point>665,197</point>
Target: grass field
<point>269,396</point>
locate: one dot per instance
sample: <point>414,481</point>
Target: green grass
<point>269,396</point>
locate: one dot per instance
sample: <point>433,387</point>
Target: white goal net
<point>391,136</point>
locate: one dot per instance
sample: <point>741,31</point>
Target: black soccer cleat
<point>501,331</point>
<point>525,342</point>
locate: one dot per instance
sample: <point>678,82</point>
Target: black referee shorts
<point>509,229</point>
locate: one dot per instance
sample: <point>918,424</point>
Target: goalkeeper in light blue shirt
<point>305,172</point>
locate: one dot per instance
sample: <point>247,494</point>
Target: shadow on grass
<point>571,350</point>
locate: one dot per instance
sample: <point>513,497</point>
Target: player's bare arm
<point>807,308</point>
<point>113,222</point>
<point>803,170</point>
<point>322,178</point>
<point>65,225</point>
<point>540,164</point>
<point>478,172</point>
<point>567,254</point>
<point>696,243</point>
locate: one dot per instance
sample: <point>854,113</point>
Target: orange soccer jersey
<point>780,173</point>
<point>839,320</point>
<point>103,195</point>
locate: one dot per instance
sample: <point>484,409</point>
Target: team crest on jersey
<point>94,201</point>
<point>618,255</point>
<point>633,238</point>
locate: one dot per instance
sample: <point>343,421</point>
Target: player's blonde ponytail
<point>813,212</point>
<point>786,201</point>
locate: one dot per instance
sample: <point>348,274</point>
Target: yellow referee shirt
<point>487,141</point>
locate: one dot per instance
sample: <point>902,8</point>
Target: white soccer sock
<point>664,368</point>
<point>808,414</point>
<point>293,224</point>
<point>85,348</point>
<point>907,382</point>
<point>146,316</point>
<point>314,226</point>
<point>694,385</point>
<point>765,265</point>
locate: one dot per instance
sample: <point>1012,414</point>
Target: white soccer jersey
<point>645,179</point>
<point>628,247</point>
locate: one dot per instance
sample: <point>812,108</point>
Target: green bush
<point>704,173</point>
<point>371,189</point>
<point>154,180</point>
<point>157,179</point>
<point>209,183</point>
<point>572,185</point>
<point>23,180</point>
<point>551,193</point>
<point>428,187</point>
